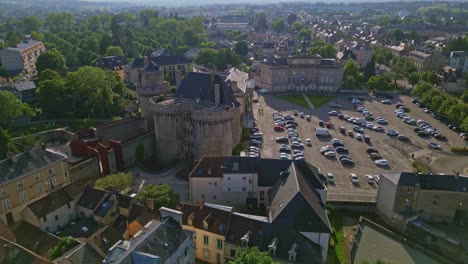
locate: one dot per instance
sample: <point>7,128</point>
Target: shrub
<point>459,149</point>
<point>120,181</point>
<point>63,246</point>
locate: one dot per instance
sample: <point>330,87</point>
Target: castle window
<point>435,200</point>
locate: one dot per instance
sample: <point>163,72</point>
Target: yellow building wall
<point>214,253</point>
<point>11,191</point>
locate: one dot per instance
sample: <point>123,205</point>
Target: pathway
<point>311,106</point>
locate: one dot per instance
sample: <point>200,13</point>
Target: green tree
<point>114,51</point>
<point>190,39</point>
<point>326,51</point>
<point>352,78</point>
<point>397,35</point>
<point>3,72</point>
<point>53,96</point>
<point>370,68</point>
<point>413,78</point>
<point>305,34</point>
<point>119,181</point>
<point>241,48</point>
<point>379,82</point>
<point>146,15</point>
<point>261,23</point>
<point>12,38</point>
<point>383,56</point>
<point>11,107</point>
<point>4,142</point>
<point>60,22</point>
<point>32,23</point>
<point>37,36</point>
<point>251,255</point>
<point>65,244</point>
<point>422,88</point>
<point>431,77</point>
<point>51,59</point>
<point>278,25</point>
<point>162,195</point>
<point>464,97</point>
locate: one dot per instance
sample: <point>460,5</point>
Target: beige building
<point>427,61</point>
<point>302,73</point>
<point>22,58</point>
<point>202,118</point>
<point>27,177</point>
<point>433,198</point>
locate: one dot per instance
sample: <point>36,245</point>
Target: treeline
<point>454,109</point>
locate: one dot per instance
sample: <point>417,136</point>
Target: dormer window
<point>245,239</point>
<point>273,245</point>
<point>293,252</point>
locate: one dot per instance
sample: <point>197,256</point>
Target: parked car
<point>371,150</point>
<point>359,136</point>
<point>369,179</point>
<point>367,138</point>
<point>386,101</point>
<point>321,123</point>
<point>347,162</point>
<point>328,125</point>
<point>330,178</point>
<point>278,128</point>
<point>333,113</point>
<point>308,118</point>
<point>350,133</point>
<point>282,140</point>
<point>358,129</point>
<point>433,145</point>
<point>392,133</point>
<point>309,142</point>
<point>381,162</point>
<point>301,115</point>
<point>264,91</point>
<point>342,130</point>
<point>375,156</point>
<point>329,154</point>
<point>295,112</point>
<point>354,178</point>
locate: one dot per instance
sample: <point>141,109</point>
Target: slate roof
<point>26,163</point>
<point>217,219</point>
<point>24,86</point>
<point>200,85</point>
<point>328,62</point>
<point>268,170</point>
<point>124,201</point>
<point>440,182</point>
<point>166,60</point>
<point>111,62</point>
<point>137,63</point>
<point>50,203</point>
<point>151,67</point>
<point>92,197</point>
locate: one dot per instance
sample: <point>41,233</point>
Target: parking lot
<point>397,153</point>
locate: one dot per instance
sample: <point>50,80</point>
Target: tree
<point>12,38</point>
<point>4,142</point>
<point>383,56</point>
<point>464,97</point>
<point>190,39</point>
<point>305,34</point>
<point>261,23</point>
<point>370,68</point>
<point>422,88</point>
<point>114,51</point>
<point>60,22</point>
<point>326,51</point>
<point>431,77</point>
<point>119,181</point>
<point>32,23</point>
<point>251,255</point>
<point>65,244</point>
<point>379,82</point>
<point>397,35</point>
<point>413,78</point>
<point>11,108</point>
<point>162,195</point>
<point>3,72</point>
<point>241,48</point>
<point>352,78</point>
<point>278,25</point>
<point>291,18</point>
<point>51,59</point>
<point>146,15</point>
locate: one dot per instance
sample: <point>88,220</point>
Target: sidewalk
<point>311,106</point>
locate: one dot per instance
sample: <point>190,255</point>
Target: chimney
<point>150,203</point>
<point>178,78</point>
<point>217,93</point>
<point>145,60</point>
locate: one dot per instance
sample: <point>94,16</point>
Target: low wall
<point>367,208</point>
<point>86,169</point>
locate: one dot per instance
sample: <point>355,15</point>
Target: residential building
<point>427,61</point>
<point>101,205</point>
<point>268,50</point>
<point>196,122</point>
<point>113,63</point>
<point>22,58</point>
<point>152,81</point>
<point>26,91</point>
<point>242,86</point>
<point>459,61</point>
<point>132,70</point>
<point>173,66</point>
<point>27,177</point>
<point>301,73</point>
<point>162,242</point>
<point>430,197</point>
<point>294,229</point>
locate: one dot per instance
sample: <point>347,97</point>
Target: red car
<point>278,128</point>
<point>328,124</point>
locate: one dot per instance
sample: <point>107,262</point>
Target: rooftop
<point>50,203</point>
<point>27,163</point>
<point>440,182</point>
<point>24,45</point>
<point>24,86</point>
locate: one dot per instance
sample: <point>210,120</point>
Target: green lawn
<point>336,250</point>
<point>319,100</point>
<point>295,99</point>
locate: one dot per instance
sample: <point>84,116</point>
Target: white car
<point>376,178</point>
<point>370,179</point>
<point>381,162</point>
<point>354,178</point>
<point>329,154</point>
<point>264,91</point>
<point>358,136</point>
<point>336,140</point>
<point>309,142</point>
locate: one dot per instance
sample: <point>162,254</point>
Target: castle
<point>202,118</point>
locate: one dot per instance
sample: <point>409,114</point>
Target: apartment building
<point>22,58</point>
<point>27,177</point>
<point>427,61</point>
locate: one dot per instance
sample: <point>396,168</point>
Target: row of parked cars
<point>337,147</point>
<point>291,146</point>
<point>256,142</point>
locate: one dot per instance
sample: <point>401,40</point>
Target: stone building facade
<point>152,81</point>
<point>22,58</point>
<point>303,73</point>
<point>203,118</point>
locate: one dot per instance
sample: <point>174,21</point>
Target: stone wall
<point>129,148</point>
<point>88,168</point>
<point>121,130</point>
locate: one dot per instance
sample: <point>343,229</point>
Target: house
<point>294,229</point>
<point>173,66</point>
<point>459,61</point>
<point>51,212</point>
<point>27,177</point>
<point>114,63</point>
<point>434,198</point>
<point>101,205</point>
<point>242,87</point>
<point>161,241</point>
<point>26,91</point>
<point>132,70</point>
<point>22,57</point>
<point>427,61</point>
<point>231,180</point>
<point>192,53</point>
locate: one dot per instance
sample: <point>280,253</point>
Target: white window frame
<point>38,188</point>
<point>6,204</point>
<point>23,195</point>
